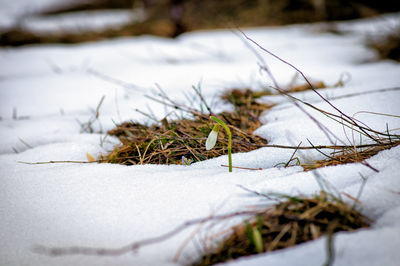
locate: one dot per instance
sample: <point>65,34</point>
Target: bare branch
<point>352,120</point>
<point>264,67</point>
<point>65,251</point>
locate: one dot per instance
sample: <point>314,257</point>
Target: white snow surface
<point>26,14</point>
<point>45,89</point>
<point>12,12</point>
<point>80,21</point>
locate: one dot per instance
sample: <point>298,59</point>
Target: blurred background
<point>72,21</point>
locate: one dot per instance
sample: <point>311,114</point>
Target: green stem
<point>228,131</point>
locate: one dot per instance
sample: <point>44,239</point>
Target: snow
<point>80,21</point>
<point>26,14</point>
<point>45,89</point>
<point>11,12</point>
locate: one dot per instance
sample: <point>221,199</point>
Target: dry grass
<point>183,141</point>
<point>349,155</point>
<point>293,221</point>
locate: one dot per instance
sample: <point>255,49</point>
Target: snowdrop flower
<point>212,137</point>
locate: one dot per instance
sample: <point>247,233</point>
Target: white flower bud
<point>212,137</point>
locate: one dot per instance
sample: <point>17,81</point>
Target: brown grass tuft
<point>349,155</point>
<point>293,221</point>
<point>183,141</point>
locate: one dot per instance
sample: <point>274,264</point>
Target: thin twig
<point>112,80</point>
<point>360,191</point>
<point>291,157</point>
<point>332,147</point>
<point>25,143</point>
<point>256,193</point>
<point>309,83</point>
<point>64,251</point>
<point>50,162</point>
<point>350,95</point>
<point>264,67</point>
<point>365,163</point>
<point>330,249</point>
<point>198,92</point>
<point>318,150</point>
<point>239,167</point>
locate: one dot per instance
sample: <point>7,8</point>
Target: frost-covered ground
<point>45,89</point>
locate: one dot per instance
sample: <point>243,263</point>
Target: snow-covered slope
<point>45,89</point>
